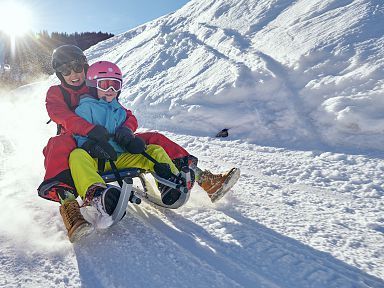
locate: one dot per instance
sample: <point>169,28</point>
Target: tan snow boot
<point>217,185</point>
<point>74,222</point>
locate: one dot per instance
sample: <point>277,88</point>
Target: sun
<point>15,19</point>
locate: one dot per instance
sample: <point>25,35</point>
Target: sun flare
<point>15,19</point>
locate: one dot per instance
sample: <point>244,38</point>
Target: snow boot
<point>74,222</point>
<point>189,161</point>
<point>103,198</point>
<point>170,195</point>
<point>217,185</point>
<point>57,191</point>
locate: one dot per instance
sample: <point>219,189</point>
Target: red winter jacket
<point>57,151</point>
<point>71,123</point>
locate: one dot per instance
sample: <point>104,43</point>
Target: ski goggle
<point>76,65</point>
<point>104,84</point>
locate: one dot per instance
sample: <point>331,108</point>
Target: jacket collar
<point>89,98</point>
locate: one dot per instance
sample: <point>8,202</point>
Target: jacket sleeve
<point>130,121</point>
<point>85,112</point>
<point>60,113</point>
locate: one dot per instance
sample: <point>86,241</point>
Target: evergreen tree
<point>31,56</point>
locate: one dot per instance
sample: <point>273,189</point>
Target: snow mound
<point>301,74</point>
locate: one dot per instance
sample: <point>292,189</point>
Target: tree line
<point>29,57</point>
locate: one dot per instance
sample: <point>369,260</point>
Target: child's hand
<point>123,136</point>
<point>136,146</point>
<point>100,150</point>
<point>99,133</point>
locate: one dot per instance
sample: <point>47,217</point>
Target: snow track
<point>264,258</point>
<point>293,78</point>
<point>290,221</point>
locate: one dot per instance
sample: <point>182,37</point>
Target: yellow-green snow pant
<point>84,167</point>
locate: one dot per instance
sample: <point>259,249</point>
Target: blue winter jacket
<point>111,115</point>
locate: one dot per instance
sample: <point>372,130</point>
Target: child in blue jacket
<point>101,108</point>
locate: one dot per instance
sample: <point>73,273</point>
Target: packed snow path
<point>295,219</point>
<point>305,217</point>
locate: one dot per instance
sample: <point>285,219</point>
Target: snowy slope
<point>300,84</point>
<point>298,73</point>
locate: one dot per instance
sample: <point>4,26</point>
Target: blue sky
<point>114,16</point>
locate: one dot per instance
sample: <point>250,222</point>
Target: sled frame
<point>148,191</point>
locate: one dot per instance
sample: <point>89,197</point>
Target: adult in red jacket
<point>61,101</point>
<point>70,65</point>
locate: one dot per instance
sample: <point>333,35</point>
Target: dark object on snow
<point>223,133</point>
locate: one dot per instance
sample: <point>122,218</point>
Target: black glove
<point>135,146</point>
<point>100,150</point>
<point>163,170</point>
<point>123,136</point>
<point>99,133</point>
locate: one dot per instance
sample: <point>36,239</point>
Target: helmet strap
<point>93,92</point>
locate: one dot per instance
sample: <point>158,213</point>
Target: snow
<point>300,86</point>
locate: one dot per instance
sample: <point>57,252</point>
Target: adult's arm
<point>60,113</point>
<point>130,121</point>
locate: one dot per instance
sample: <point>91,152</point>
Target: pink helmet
<point>100,70</point>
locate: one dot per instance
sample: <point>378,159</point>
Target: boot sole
<point>233,177</point>
<point>81,232</point>
<point>110,199</point>
<point>171,197</point>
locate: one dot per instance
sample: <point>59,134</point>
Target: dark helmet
<point>65,54</point>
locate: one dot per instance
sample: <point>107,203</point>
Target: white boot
<point>100,203</point>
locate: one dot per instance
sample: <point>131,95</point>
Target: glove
<point>163,170</point>
<point>123,135</point>
<point>99,133</point>
<point>135,146</point>
<point>100,150</point>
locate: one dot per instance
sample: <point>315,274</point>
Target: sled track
<point>264,258</point>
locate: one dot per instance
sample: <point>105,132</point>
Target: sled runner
<point>146,188</point>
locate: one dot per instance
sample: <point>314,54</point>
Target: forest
<point>28,58</point>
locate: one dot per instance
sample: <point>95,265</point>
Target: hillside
<point>304,74</point>
<point>299,84</point>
